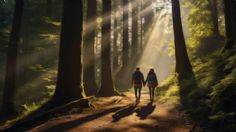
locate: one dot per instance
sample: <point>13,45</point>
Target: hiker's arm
<point>144,82</point>
<point>147,79</point>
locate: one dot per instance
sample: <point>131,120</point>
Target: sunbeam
<point>155,53</point>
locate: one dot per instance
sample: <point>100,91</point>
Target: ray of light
<point>155,54</point>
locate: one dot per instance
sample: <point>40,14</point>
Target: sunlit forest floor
<point>120,114</point>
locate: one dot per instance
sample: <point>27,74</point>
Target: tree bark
<point>115,46</point>
<point>141,26</point>
<point>229,23</point>
<point>107,87</point>
<point>88,49</point>
<point>125,51</point>
<point>183,66</point>
<point>120,76</point>
<point>49,8</point>
<point>214,15</point>
<point>148,16</point>
<point>26,45</point>
<point>228,20</point>
<point>70,68</point>
<point>233,3</point>
<point>134,29</point>
<point>11,68</point>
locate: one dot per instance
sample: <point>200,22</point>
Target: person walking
<point>152,83</point>
<point>137,83</point>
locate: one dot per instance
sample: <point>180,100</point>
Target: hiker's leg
<point>153,93</point>
<point>150,92</point>
<point>139,93</point>
<point>135,92</point>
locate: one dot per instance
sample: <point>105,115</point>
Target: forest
<point>70,65</point>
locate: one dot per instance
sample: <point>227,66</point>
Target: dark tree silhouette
<point>233,10</point>
<point>125,51</point>
<point>229,23</point>
<point>134,28</point>
<point>122,74</point>
<point>141,24</point>
<point>70,68</point>
<point>107,87</point>
<point>183,66</point>
<point>10,79</point>
<point>214,15</point>
<point>49,7</point>
<point>115,46</point>
<point>148,15</point>
<point>11,72</point>
<point>26,45</point>
<point>90,85</point>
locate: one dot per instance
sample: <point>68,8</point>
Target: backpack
<point>152,77</point>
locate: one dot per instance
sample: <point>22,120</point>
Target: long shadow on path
<point>124,113</point>
<point>146,110</point>
<point>80,121</point>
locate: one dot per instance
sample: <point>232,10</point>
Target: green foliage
<point>209,97</point>
<point>28,108</point>
<point>200,28</point>
<point>169,81</point>
<point>50,21</point>
<point>199,22</point>
<point>169,92</point>
<point>225,120</point>
<point>37,67</point>
<point>215,94</point>
<point>51,89</point>
<point>38,52</point>
<point>223,93</point>
<point>171,96</point>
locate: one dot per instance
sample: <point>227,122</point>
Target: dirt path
<point>119,114</point>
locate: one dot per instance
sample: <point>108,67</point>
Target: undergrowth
<point>210,103</point>
<point>28,109</point>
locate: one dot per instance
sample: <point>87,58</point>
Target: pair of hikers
<point>138,82</point>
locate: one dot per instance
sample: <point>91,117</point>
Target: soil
<point>120,114</point>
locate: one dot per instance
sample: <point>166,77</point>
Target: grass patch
<point>28,109</point>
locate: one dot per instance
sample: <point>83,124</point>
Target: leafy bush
<point>209,97</point>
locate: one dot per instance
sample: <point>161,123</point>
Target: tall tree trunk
<point>125,51</point>
<point>134,29</point>
<point>88,49</point>
<point>107,87</point>
<point>11,70</point>
<point>183,66</point>
<point>121,75</point>
<point>141,26</point>
<point>233,10</point>
<point>115,46</point>
<point>228,19</point>
<point>214,15</point>
<point>49,8</point>
<point>229,23</point>
<point>70,68</point>
<point>26,46</point>
<point>148,15</point>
